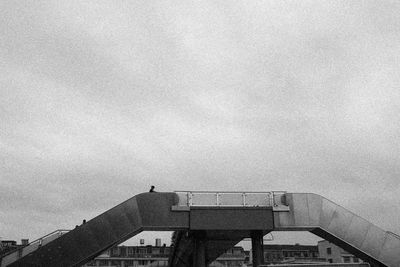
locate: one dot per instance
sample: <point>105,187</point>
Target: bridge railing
<point>231,199</point>
<point>32,246</point>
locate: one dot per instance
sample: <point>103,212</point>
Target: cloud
<point>98,100</point>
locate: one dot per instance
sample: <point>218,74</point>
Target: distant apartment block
<point>278,254</point>
<point>335,254</point>
<point>157,256</point>
<point>6,246</point>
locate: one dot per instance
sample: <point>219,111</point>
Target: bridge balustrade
<point>230,199</point>
<point>32,246</point>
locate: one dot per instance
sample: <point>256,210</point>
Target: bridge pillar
<point>257,247</point>
<point>199,258</point>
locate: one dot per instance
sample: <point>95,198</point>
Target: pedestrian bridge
<point>205,224</point>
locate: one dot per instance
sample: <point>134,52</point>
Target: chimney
<point>158,242</point>
<point>24,242</point>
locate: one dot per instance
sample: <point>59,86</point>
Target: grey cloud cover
<point>100,99</point>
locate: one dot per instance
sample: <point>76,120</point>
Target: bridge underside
<point>203,233</point>
<point>215,243</point>
<point>215,230</point>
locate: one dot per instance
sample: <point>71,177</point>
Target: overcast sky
<point>101,99</point>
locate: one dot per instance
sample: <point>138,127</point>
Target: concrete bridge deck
<point>208,223</point>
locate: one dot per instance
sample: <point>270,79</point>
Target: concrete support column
<point>199,253</point>
<point>257,247</point>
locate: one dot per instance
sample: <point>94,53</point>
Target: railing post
<point>231,198</point>
<point>190,198</point>
<point>272,199</point>
<point>20,253</point>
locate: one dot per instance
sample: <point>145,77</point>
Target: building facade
<point>334,254</point>
<point>234,257</point>
<point>129,256</point>
<point>157,256</point>
<point>6,246</point>
<point>278,254</point>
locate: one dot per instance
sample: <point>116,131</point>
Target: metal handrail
<point>213,191</point>
<point>218,195</point>
<point>390,232</point>
<point>49,234</point>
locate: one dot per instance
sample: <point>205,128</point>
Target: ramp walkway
<point>320,216</point>
<point>147,211</point>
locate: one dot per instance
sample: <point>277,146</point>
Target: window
<point>329,251</point>
<point>356,259</point>
<point>237,251</point>
<point>103,262</point>
<point>346,259</point>
<point>116,263</point>
<point>123,251</point>
<point>330,260</point>
<point>115,252</point>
